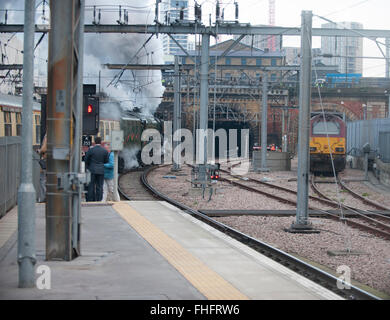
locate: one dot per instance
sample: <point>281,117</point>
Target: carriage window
<point>330,128</point>
<point>101,130</point>
<point>107,130</point>
<point>7,124</point>
<point>18,124</point>
<point>38,129</point>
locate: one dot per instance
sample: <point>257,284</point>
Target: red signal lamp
<point>89,108</point>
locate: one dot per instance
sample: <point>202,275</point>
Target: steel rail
<point>365,200</point>
<point>325,201</point>
<point>120,190</point>
<point>315,274</point>
<point>383,232</point>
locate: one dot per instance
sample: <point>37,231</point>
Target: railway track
<point>363,199</point>
<point>378,224</point>
<point>130,186</point>
<point>315,274</point>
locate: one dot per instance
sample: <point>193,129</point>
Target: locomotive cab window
<point>332,128</point>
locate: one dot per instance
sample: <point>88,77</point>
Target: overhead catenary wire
<point>120,73</point>
<point>347,237</point>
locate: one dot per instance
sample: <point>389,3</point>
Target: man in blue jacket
<point>95,159</point>
<point>108,187</point>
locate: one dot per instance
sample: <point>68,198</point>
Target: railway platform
<point>151,250</point>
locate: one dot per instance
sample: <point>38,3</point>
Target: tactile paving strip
<point>207,281</point>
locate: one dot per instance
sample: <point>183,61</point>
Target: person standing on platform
<point>108,187</point>
<point>95,159</point>
<point>42,162</point>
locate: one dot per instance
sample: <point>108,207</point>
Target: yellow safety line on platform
<point>8,225</point>
<point>207,281</point>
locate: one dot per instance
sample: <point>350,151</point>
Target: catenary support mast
<point>26,192</point>
<point>302,218</point>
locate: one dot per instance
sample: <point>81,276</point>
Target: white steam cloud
<point>141,89</point>
<point>129,155</point>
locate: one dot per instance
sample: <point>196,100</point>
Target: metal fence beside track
<point>376,132</point>
<point>384,145</point>
<point>11,162</point>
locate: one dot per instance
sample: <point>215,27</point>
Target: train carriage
<point>327,142</point>
<point>11,118</point>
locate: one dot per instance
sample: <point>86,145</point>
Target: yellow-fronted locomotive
<point>327,142</point>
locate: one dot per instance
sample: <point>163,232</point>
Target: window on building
<point>212,60</point>
<point>183,60</point>
<point>243,61</point>
<point>7,124</point>
<point>273,62</point>
<point>228,76</point>
<point>18,123</point>
<point>273,77</point>
<point>258,62</point>
<point>228,61</point>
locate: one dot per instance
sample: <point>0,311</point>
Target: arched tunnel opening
<point>229,125</point>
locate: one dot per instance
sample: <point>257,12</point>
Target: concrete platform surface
<point>147,250</point>
<point>116,263</point>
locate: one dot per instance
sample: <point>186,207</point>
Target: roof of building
<point>240,50</point>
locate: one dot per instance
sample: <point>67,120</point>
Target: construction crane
<point>271,22</point>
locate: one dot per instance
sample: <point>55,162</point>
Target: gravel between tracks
<point>227,196</point>
<point>372,268</point>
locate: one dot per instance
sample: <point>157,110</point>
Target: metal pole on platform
<point>176,114</point>
<point>302,218</point>
<point>64,129</point>
<point>78,112</point>
<point>116,193</point>
<point>264,116</point>
<point>26,192</point>
<point>204,102</point>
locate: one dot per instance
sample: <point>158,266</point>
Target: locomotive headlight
<point>339,149</point>
<point>313,149</point>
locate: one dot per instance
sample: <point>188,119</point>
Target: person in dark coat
<point>95,159</point>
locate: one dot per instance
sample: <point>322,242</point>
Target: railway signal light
<point>90,115</point>
<point>214,175</point>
